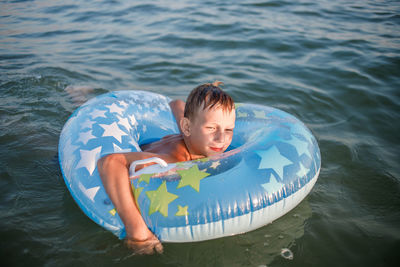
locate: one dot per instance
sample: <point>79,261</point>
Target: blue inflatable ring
<point>271,166</point>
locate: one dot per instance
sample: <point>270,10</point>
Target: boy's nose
<point>219,137</point>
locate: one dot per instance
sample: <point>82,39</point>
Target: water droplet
<point>287,254</point>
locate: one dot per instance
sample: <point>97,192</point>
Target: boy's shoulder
<point>171,147</point>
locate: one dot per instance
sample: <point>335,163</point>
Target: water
<point>333,64</point>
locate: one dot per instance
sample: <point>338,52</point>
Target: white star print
<point>215,164</point>
<point>124,122</point>
<point>84,137</point>
<point>113,130</point>
<point>115,109</point>
<point>273,159</point>
<point>124,104</point>
<point>135,144</point>
<point>90,193</point>
<point>87,124</point>
<point>132,119</point>
<point>68,158</point>
<point>89,159</point>
<point>98,113</point>
<point>117,149</point>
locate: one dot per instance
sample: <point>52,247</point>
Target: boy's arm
<point>114,173</point>
<point>178,108</point>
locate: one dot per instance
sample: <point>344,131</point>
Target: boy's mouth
<point>216,149</point>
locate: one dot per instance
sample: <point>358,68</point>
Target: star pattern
<point>117,149</point>
<point>273,185</point>
<point>215,164</point>
<point>145,178</point>
<point>300,145</point>
<point>136,193</point>
<point>98,113</point>
<point>115,109</point>
<point>241,114</point>
<point>272,159</point>
<point>113,130</point>
<point>84,137</point>
<point>302,172</point>
<point>132,119</point>
<point>124,122</point>
<point>191,177</point>
<point>182,211</point>
<point>87,124</point>
<point>89,159</point>
<point>160,199</point>
<point>90,192</point>
<point>259,114</point>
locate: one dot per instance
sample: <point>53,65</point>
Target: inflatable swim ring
<point>270,167</point>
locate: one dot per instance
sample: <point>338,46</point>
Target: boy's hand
<point>145,247</point>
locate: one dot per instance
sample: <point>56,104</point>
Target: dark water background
<point>333,64</point>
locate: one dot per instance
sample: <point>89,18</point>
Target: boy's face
<point>211,131</point>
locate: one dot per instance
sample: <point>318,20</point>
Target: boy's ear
<point>185,126</point>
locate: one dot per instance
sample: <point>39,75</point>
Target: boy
<point>206,125</point>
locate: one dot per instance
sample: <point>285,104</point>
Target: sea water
<point>333,64</point>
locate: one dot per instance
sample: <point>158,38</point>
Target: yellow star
<point>182,211</point>
<point>145,177</point>
<point>160,199</point>
<point>112,212</point>
<point>259,114</point>
<point>191,177</point>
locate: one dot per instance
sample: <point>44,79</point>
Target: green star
<point>238,105</point>
<point>160,199</point>
<point>136,194</point>
<point>241,114</point>
<point>182,211</point>
<point>191,177</point>
<point>259,114</point>
<point>202,160</point>
<point>145,177</point>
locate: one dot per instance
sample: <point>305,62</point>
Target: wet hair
<point>207,96</point>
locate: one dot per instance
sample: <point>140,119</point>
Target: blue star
<point>272,159</point>
<point>273,186</point>
<point>300,145</point>
<point>302,172</point>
